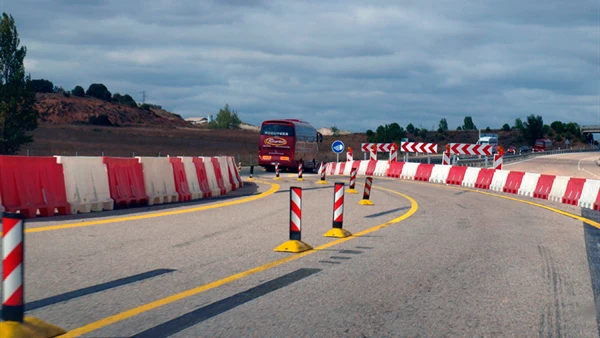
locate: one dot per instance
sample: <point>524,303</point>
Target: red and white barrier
<point>381,168</point>
<point>13,249</point>
<point>159,181</point>
<point>574,191</point>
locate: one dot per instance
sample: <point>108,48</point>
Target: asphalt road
<point>572,164</point>
<point>434,261</point>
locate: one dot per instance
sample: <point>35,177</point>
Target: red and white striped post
<point>393,153</point>
<point>13,268</point>
<point>349,155</point>
<point>498,158</point>
<point>300,172</point>
<point>338,213</point>
<point>323,175</point>
<point>277,172</point>
<point>295,244</point>
<point>446,156</point>
<point>367,193</point>
<point>373,152</point>
<point>352,190</point>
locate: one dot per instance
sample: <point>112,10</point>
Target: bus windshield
<point>277,130</point>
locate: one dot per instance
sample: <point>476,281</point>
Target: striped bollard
<point>351,190</point>
<point>251,172</point>
<point>295,244</point>
<point>338,213</point>
<point>446,158</point>
<point>300,172</point>
<point>367,192</point>
<point>322,170</point>
<point>277,172</point>
<point>13,269</point>
<point>498,160</point>
<point>14,323</point>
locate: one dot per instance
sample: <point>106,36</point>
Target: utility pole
<point>143,96</point>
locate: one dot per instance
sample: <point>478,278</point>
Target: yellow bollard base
<point>277,179</point>
<point>365,202</point>
<point>322,182</point>
<point>30,328</point>
<point>300,179</point>
<point>250,178</point>
<point>338,233</point>
<point>293,246</point>
<point>352,191</point>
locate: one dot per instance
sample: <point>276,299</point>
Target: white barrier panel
<point>381,168</point>
<point>470,177</point>
<point>499,180</point>
<point>439,173</point>
<point>559,187</point>
<point>237,180</point>
<point>409,170</point>
<point>86,183</point>
<point>348,168</point>
<point>528,184</point>
<point>225,173</point>
<point>340,169</point>
<point>212,177</point>
<point>159,180</point>
<point>362,168</point>
<point>192,177</point>
<point>589,193</point>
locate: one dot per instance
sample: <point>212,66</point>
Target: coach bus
<point>542,145</point>
<point>288,142</point>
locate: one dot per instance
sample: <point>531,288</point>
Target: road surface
<point>573,164</point>
<point>429,261</point>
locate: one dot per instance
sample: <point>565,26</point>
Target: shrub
<point>100,120</point>
<point>99,91</point>
<point>78,91</point>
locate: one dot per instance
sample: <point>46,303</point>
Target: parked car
<point>512,150</point>
<point>524,149</point>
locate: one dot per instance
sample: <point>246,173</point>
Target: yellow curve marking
<point>558,211</point>
<point>414,206</point>
<point>274,188</point>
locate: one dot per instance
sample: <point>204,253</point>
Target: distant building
<point>197,120</point>
<point>210,118</point>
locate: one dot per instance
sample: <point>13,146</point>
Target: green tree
<point>78,91</point>
<point>387,134</point>
<point>488,129</point>
<point>410,128</point>
<point>506,127</point>
<point>443,125</point>
<point>124,99</point>
<point>40,86</point>
<point>558,138</point>
<point>370,133</point>
<point>468,124</point>
<point>519,124</point>
<point>17,112</point>
<point>459,128</point>
<point>335,131</point>
<point>226,119</point>
<point>533,128</point>
<point>558,126</point>
<point>99,91</point>
<point>546,129</point>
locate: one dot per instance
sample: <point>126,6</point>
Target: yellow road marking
<point>173,298</point>
<point>564,213</point>
<point>272,190</point>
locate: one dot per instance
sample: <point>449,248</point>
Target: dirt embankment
<point>58,109</point>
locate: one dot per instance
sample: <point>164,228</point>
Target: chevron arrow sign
<point>470,149</point>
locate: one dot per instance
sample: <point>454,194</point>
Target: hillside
<point>57,109</point>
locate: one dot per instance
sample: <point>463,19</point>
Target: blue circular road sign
<point>338,146</point>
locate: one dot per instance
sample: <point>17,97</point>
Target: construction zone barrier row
<point>583,192</point>
<point>63,185</point>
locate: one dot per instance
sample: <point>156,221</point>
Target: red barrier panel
<point>573,192</point>
<point>597,204</point>
<point>456,175</point>
<point>29,184</point>
<point>371,168</point>
<point>202,177</point>
<point>513,182</point>
<point>395,169</point>
<point>237,173</point>
<point>423,172</point>
<point>218,175</point>
<point>181,184</point>
<point>231,180</point>
<point>355,165</point>
<point>484,179</point>
<point>126,181</point>
<point>342,168</point>
<point>544,186</point>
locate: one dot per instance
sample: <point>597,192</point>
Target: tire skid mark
<point>552,318</point>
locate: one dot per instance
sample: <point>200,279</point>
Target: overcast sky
<point>355,64</point>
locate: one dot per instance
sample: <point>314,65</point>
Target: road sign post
<point>337,147</point>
